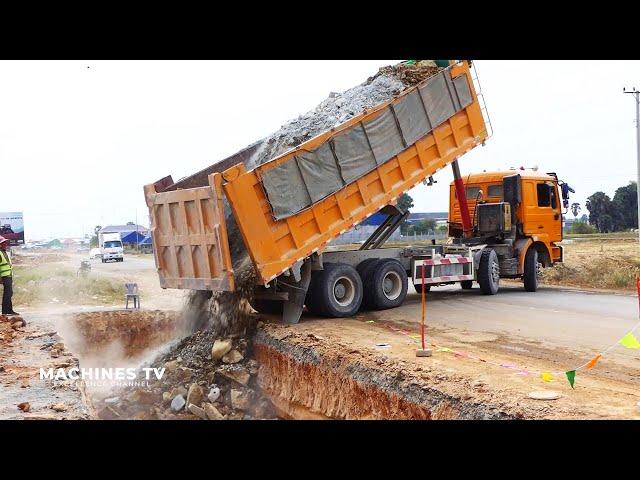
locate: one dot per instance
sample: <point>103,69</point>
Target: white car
<point>95,253</point>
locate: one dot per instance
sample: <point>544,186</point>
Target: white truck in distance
<point>111,247</point>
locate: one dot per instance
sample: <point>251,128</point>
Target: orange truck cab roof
<point>497,176</point>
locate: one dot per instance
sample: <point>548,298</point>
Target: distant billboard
<point>12,227</point>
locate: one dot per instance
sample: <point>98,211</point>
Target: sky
<point>80,139</point>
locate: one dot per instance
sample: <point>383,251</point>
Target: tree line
<point>617,214</point>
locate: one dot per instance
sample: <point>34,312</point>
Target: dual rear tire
<point>339,290</point>
<point>335,291</point>
<point>385,285</point>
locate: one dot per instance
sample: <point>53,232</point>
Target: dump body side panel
<point>190,237</point>
<point>275,245</point>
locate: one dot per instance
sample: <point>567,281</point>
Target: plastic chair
<point>131,291</point>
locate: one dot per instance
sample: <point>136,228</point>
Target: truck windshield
<point>112,244</point>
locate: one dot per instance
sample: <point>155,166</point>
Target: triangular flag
<point>629,341</point>
<point>571,376</point>
<point>593,361</point>
<point>546,377</point>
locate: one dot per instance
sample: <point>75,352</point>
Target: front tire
<point>531,270</point>
<point>489,272</point>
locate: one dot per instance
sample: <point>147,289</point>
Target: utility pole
<point>636,95</point>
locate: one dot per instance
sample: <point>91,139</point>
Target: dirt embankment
<point>604,263</point>
<point>309,377</point>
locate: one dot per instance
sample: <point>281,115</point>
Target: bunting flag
<point>571,376</point>
<point>593,361</point>
<point>629,341</point>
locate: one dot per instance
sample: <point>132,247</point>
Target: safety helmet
<point>2,239</point>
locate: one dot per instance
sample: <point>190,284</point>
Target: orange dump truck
<point>289,208</point>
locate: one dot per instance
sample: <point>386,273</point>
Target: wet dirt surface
<point>23,352</point>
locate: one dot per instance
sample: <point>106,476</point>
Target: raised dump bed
<point>289,208</point>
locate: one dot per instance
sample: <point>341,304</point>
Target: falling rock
<point>214,394</point>
<point>179,390</point>
<point>240,376</point>
<point>171,366</point>
<point>195,395</point>
<point>24,406</point>
<point>184,374</point>
<point>212,412</point>
<point>59,407</point>
<point>177,403</point>
<point>239,400</point>
<point>197,411</point>
<point>220,349</point>
<point>234,356</point>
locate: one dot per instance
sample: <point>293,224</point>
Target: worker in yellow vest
<point>6,276</point>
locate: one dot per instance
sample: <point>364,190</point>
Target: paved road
<point>555,317</point>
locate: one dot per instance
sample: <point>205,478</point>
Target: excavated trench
<point>301,375</point>
<point>307,379</point>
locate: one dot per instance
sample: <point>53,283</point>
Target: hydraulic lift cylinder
<point>467,228</point>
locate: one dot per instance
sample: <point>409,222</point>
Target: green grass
<point>42,284</point>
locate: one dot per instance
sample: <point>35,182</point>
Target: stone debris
<point>220,349</point>
<point>212,412</point>
<point>195,394</point>
<point>214,394</point>
<point>233,356</point>
<point>197,411</point>
<point>59,407</point>
<point>178,403</point>
<point>215,390</point>
<point>24,406</point>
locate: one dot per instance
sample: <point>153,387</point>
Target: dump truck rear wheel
<point>335,291</point>
<point>489,272</point>
<point>531,270</point>
<point>386,285</point>
<point>364,269</point>
<point>266,307</point>
<point>466,284</point>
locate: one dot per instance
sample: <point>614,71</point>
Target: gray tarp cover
<point>320,172</point>
<point>313,175</point>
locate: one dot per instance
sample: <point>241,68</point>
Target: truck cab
<point>517,214</point>
<point>111,247</point>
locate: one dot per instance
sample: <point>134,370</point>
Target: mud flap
<point>292,308</point>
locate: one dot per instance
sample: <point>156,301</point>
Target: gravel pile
<point>340,107</point>
<point>205,377</point>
